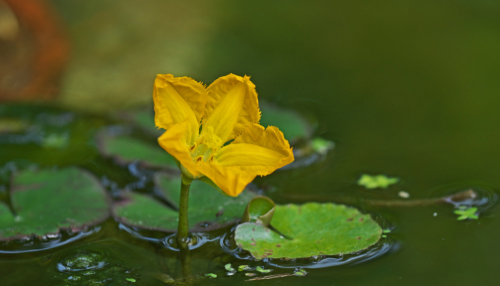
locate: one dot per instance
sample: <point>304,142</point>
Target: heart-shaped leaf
<point>125,149</point>
<point>313,229</point>
<point>208,210</point>
<point>259,210</point>
<point>46,200</point>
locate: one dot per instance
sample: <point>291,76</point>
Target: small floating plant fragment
<point>207,209</point>
<point>466,213</point>
<point>125,150</point>
<point>262,270</point>
<point>314,230</point>
<point>72,199</point>
<point>228,267</point>
<point>211,275</point>
<point>300,272</point>
<point>377,181</point>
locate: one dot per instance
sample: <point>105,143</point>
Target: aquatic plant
<point>214,135</point>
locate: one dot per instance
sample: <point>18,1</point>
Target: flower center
<point>206,146</point>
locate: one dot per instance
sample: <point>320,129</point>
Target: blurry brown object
<point>33,50</point>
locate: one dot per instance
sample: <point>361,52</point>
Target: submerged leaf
<point>314,229</point>
<point>47,200</point>
<point>378,181</point>
<point>207,210</point>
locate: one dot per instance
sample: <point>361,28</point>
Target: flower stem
<point>183,227</point>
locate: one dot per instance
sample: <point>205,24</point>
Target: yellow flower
<point>228,110</point>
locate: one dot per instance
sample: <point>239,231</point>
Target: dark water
<point>404,88</point>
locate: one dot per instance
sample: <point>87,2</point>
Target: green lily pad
<point>208,210</point>
<point>259,210</point>
<point>314,229</point>
<point>292,124</point>
<point>46,201</point>
<point>125,150</point>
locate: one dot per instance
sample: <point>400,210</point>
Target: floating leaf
<point>126,149</point>
<point>208,210</point>
<point>259,210</point>
<point>321,146</point>
<point>46,200</point>
<point>228,267</point>
<point>262,270</point>
<point>244,268</point>
<point>130,279</point>
<point>300,272</point>
<point>470,213</point>
<point>314,229</point>
<point>211,275</point>
<point>378,181</point>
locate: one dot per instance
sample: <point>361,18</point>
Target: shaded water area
<point>407,89</point>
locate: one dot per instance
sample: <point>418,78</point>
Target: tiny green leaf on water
<point>384,236</point>
<point>469,213</point>
<point>130,279</point>
<point>211,275</point>
<point>321,145</point>
<point>386,231</point>
<point>244,268</point>
<point>262,270</point>
<point>228,267</point>
<point>378,181</point>
<point>300,272</point>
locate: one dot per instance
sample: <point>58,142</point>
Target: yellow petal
<point>177,100</point>
<point>257,151</point>
<point>232,105</point>
<point>174,142</point>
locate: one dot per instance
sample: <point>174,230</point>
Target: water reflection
<point>49,241</point>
